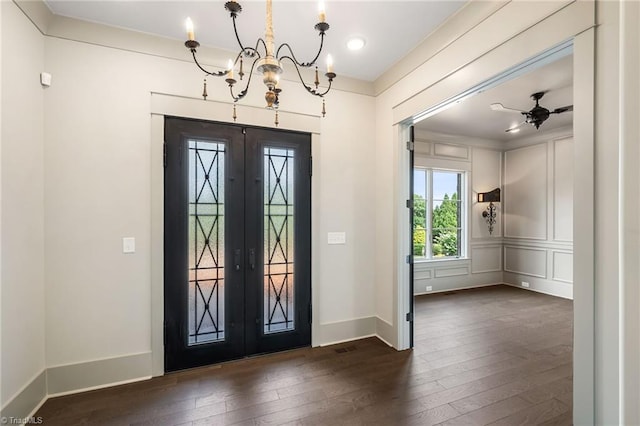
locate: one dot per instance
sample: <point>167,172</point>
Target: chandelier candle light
<point>266,60</point>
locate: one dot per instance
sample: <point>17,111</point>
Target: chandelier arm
<point>295,64</point>
<point>215,74</point>
<point>260,40</point>
<point>309,89</point>
<point>242,47</point>
<point>244,92</point>
<point>326,91</point>
<point>235,30</point>
<point>248,52</point>
<point>293,56</point>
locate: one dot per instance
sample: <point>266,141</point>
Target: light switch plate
<point>128,245</point>
<point>337,238</point>
<point>45,79</point>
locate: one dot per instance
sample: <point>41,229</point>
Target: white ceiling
<point>391,28</point>
<point>474,118</point>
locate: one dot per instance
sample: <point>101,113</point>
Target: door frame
<point>162,105</point>
<point>244,160</point>
<point>583,45</point>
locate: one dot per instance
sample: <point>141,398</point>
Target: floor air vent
<point>347,349</point>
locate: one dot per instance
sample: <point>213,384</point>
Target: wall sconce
<point>490,213</point>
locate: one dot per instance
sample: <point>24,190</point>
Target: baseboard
<point>385,332</point>
<point>457,281</point>
<point>540,284</point>
<point>551,288</point>
<point>26,402</point>
<point>92,375</point>
<point>457,288</point>
<point>344,331</point>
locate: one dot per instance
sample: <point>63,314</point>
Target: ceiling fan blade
<point>562,109</point>
<point>500,107</point>
<point>516,128</point>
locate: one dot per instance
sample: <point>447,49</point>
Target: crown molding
<point>460,23</point>
<point>38,12</point>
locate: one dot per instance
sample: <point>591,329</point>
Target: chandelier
<point>265,59</point>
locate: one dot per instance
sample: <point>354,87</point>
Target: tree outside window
<point>437,213</point>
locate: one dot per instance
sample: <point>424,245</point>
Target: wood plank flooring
<point>497,355</point>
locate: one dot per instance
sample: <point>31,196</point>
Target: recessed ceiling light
<point>515,130</point>
<point>355,43</point>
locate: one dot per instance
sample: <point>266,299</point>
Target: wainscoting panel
<point>563,190</point>
<point>486,175</point>
<point>526,261</point>
<point>525,193</point>
<point>423,148</point>
<point>452,272</point>
<point>422,274</point>
<point>460,152</point>
<point>540,285</point>
<point>455,274</point>
<point>486,259</point>
<point>562,266</point>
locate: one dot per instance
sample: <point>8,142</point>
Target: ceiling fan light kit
<point>536,116</point>
<point>265,59</point>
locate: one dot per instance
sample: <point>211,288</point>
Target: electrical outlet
<point>525,284</point>
<point>429,288</point>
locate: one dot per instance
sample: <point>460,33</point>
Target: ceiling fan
<point>536,116</point>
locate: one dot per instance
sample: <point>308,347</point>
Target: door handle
<point>236,259</point>
<point>252,259</point>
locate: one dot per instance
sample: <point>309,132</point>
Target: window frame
<point>429,202</point>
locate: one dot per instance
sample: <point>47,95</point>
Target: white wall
<point>482,264</point>
<point>536,210</point>
<point>630,205</point>
<point>1,118</point>
<point>526,192</point>
<point>538,216</point>
<point>478,43</point>
<point>98,191</point>
<point>345,169</point>
<point>22,213</point>
<point>84,181</point>
<point>486,176</point>
<point>617,327</point>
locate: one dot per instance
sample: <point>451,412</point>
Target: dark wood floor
<point>497,355</point>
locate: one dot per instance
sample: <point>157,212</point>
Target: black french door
<point>237,241</point>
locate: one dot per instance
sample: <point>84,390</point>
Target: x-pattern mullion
<point>278,294</point>
<point>278,180</point>
<point>278,239</point>
<point>207,174</point>
<point>206,303</point>
<point>207,241</point>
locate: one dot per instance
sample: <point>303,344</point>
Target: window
<point>438,219</point>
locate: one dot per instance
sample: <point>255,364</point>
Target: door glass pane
<point>278,240</point>
<point>206,242</point>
